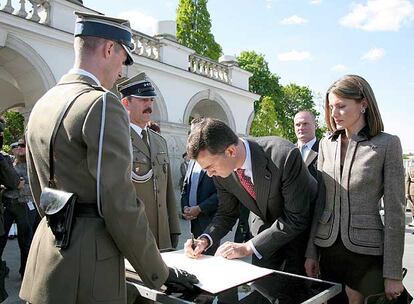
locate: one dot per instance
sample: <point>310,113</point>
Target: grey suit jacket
<point>348,205</point>
<point>284,189</point>
<point>91,269</point>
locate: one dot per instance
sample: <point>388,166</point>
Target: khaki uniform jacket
<point>157,193</point>
<point>348,205</point>
<point>409,181</point>
<point>8,179</point>
<point>92,269</point>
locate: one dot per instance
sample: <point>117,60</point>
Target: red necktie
<point>246,182</point>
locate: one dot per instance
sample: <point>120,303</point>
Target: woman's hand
<point>393,288</point>
<point>312,268</point>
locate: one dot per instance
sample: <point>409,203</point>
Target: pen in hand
<point>193,245</point>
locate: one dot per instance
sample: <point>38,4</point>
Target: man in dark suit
<point>268,176</point>
<point>199,200</point>
<point>305,129</point>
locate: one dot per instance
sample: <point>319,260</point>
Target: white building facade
<point>36,49</point>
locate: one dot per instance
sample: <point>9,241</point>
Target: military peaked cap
<point>138,86</point>
<point>115,29</point>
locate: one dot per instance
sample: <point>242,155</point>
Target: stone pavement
<point>12,256</point>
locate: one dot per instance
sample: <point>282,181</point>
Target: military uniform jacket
<point>92,269</point>
<point>409,181</point>
<point>8,179</point>
<point>155,189</point>
<point>8,176</point>
<point>348,205</point>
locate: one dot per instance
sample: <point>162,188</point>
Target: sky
<point>311,43</point>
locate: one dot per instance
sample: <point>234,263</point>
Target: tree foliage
<point>265,119</point>
<point>14,128</point>
<point>194,28</point>
<point>295,98</point>
<point>286,100</point>
<point>263,81</point>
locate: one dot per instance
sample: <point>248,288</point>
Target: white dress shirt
<point>247,165</point>
<point>85,73</point>
<point>138,129</point>
<point>305,148</point>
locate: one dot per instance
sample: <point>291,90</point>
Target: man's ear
<point>109,48</point>
<point>231,151</point>
<point>125,103</point>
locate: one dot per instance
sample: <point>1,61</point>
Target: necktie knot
<point>246,182</point>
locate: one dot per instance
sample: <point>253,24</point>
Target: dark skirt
<point>360,272</point>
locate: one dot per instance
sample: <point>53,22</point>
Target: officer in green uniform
<point>9,180</point>
<point>151,173</point>
<point>91,159</point>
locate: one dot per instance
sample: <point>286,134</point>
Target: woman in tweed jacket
<point>358,165</point>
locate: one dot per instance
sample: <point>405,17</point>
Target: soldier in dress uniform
<point>151,173</point>
<point>91,159</point>
<point>409,190</point>
<point>9,180</point>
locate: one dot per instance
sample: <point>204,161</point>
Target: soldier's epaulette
<point>155,133</point>
<point>159,136</point>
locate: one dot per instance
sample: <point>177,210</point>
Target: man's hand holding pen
<point>194,248</point>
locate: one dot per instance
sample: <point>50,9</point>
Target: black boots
<point>4,271</point>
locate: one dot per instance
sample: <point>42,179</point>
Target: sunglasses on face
<point>21,146</point>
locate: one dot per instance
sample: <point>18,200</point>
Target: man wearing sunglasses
<point>16,210</point>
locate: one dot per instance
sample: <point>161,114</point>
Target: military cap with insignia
<point>138,86</point>
<point>110,28</point>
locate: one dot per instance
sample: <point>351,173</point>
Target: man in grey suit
<point>110,223</point>
<point>268,176</point>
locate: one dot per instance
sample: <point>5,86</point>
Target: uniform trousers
<point>15,211</point>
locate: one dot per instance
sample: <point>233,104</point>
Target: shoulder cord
<point>52,182</point>
<point>98,170</point>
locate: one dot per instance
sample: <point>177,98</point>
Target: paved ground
<point>12,256</point>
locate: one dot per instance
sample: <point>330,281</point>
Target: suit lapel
<point>262,177</point>
<point>311,157</point>
<point>350,155</point>
<point>238,190</point>
<point>152,144</point>
<point>139,143</point>
<point>202,173</point>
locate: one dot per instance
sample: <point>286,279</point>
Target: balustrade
<point>34,10</point>
<point>146,46</point>
<point>209,68</point>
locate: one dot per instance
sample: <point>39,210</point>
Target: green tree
<point>194,28</point>
<point>263,81</point>
<point>294,98</point>
<point>14,128</point>
<point>264,121</point>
